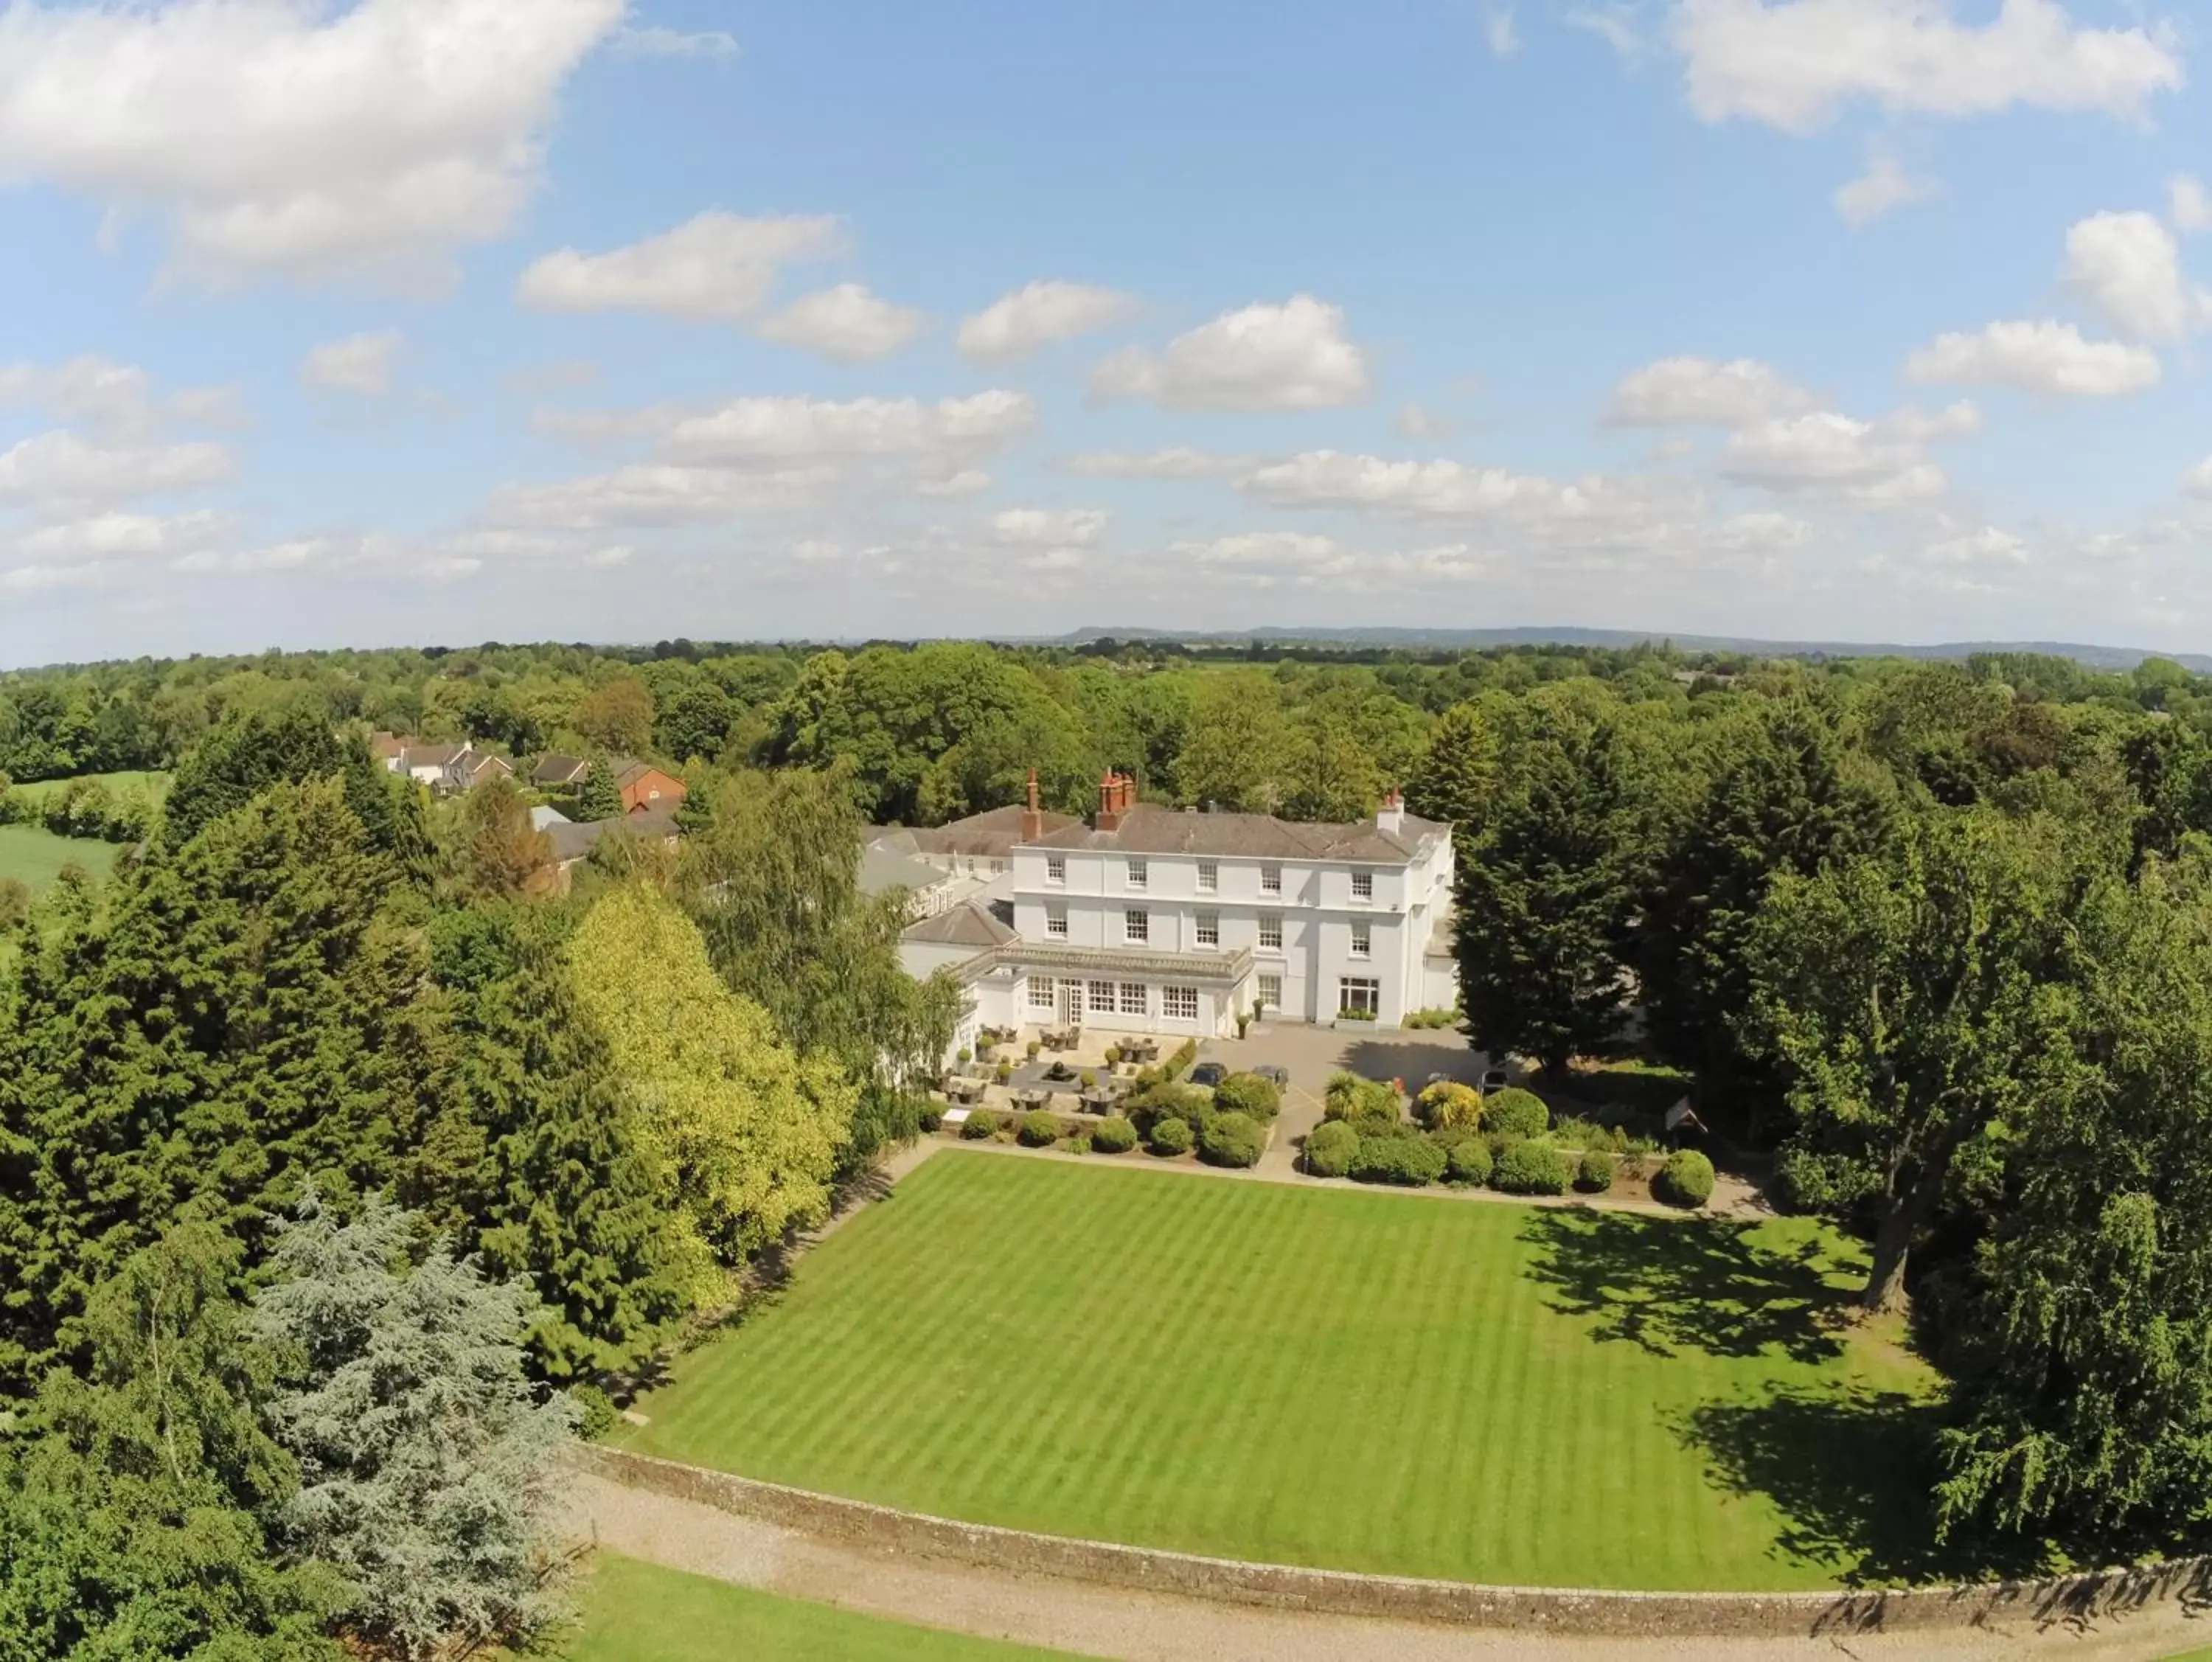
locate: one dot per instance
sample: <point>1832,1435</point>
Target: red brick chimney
<point>1032,818</point>
<point>1115,796</point>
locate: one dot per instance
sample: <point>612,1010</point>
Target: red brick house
<point>645,789</point>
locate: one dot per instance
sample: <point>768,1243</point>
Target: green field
<point>636,1612</point>
<point>36,857</point>
<point>156,783</point>
<point>1367,1381</point>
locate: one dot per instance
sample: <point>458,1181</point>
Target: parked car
<point>1495,1079</point>
<point>1278,1077</point>
<point>1208,1073</point>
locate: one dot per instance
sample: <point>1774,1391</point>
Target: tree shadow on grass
<point>1671,1284</point>
<point>1852,1475</point>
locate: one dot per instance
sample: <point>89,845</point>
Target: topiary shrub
<point>965,1055</point>
<point>1515,1112</point>
<point>981,1125</point>
<point>1087,1080</point>
<point>933,1116</point>
<point>1330,1147</point>
<point>1595,1176</point>
<point>1004,1072</point>
<point>1249,1094</point>
<point>1448,1104</point>
<point>1112,1055</point>
<point>1366,1104</point>
<point>1178,1062</point>
<point>1169,1136</point>
<point>1165,1100</point>
<point>1039,1128</point>
<point>1469,1161</point>
<point>1113,1135</point>
<point>1033,1048</point>
<point>1532,1168</point>
<point>1411,1162</point>
<point>1687,1179</point>
<point>1233,1140</point>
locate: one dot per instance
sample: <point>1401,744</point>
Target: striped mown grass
<point>629,1611</point>
<point>1378,1382</point>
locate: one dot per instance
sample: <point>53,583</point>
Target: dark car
<point>1494,1078</point>
<point>1208,1073</point>
<point>1278,1077</point>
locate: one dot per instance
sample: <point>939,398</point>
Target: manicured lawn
<point>156,783</point>
<point>638,1612</point>
<point>1382,1382</point>
<point>35,856</point>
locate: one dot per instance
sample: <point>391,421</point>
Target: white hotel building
<point>1158,921</point>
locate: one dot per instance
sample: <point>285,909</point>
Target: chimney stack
<point>1032,818</point>
<point>1390,817</point>
<point>1116,794</point>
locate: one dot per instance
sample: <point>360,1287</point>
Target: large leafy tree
<point>427,1461</point>
<point>749,1133</point>
<point>133,1515</point>
<point>1546,891</point>
<point>618,714</point>
<point>2082,1347</point>
<point>1239,746</point>
<point>1912,999</point>
<point>495,852</point>
<point>772,878</point>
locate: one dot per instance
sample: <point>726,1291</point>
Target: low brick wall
<point>1341,1592</point>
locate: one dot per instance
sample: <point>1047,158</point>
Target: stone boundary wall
<point>2107,1594</point>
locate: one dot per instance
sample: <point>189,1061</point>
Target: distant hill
<point>2097,657</point>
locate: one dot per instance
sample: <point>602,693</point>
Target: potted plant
<point>1112,1055</point>
<point>966,1055</point>
<point>1090,1080</point>
<point>1034,1045</point>
<point>1006,1072</point>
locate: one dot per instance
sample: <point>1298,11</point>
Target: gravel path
<point>1105,1622</point>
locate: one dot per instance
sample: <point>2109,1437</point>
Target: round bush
<point>1329,1148</point>
<point>980,1124</point>
<point>1532,1168</point>
<point>1040,1129</point>
<point>1367,1104</point>
<point>1248,1094</point>
<point>1233,1140</point>
<point>1687,1179</point>
<point>1516,1112</point>
<point>1596,1175</point>
<point>1448,1104</point>
<point>1411,1162</point>
<point>1163,1099</point>
<point>1469,1161</point>
<point>1170,1136</point>
<point>933,1116</point>
<point>1113,1135</point>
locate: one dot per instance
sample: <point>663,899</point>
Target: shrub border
<point>1596,1612</point>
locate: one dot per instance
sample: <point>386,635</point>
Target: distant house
<point>929,889</point>
<point>385,748</point>
<point>559,772</point>
<point>481,768</point>
<point>573,843</point>
<point>645,788</point>
<point>544,818</point>
<point>445,767</point>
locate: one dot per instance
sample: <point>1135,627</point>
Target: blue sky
<point>440,320</point>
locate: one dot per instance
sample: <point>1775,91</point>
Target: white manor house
<point>1157,920</point>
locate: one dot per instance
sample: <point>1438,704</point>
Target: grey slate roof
<point>560,769</point>
<point>970,925</point>
<point>1152,829</point>
<point>883,868</point>
<point>992,834</point>
<point>571,842</point>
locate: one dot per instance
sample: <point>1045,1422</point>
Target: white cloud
<point>1048,527</point>
<point>1694,391</point>
<point>657,494</point>
<point>751,429</point>
<point>1038,314</point>
<point>2190,204</point>
<point>654,40</point>
<point>1987,546</point>
<point>2129,267</point>
<point>1794,63</point>
<point>1176,462</point>
<point>717,267</point>
<point>967,482</point>
<point>846,323</point>
<point>1825,452</point>
<point>1259,548</point>
<point>1883,188</point>
<point>2037,356</point>
<point>292,137</point>
<point>360,364</point>
<point>1500,31</point>
<point>59,469</point>
<point>1293,356</point>
<point>115,400</point>
<point>124,536</point>
<point>2198,482</point>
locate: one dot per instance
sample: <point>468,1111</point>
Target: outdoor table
<point>1098,1102</point>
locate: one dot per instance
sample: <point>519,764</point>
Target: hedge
<point>1595,1176</point>
<point>1165,1100</point>
<point>1447,1103</point>
<point>1178,1064</point>
<point>1170,1136</point>
<point>1330,1147</point>
<point>1247,1093</point>
<point>1367,1104</point>
<point>1687,1179</point>
<point>1113,1135</point>
<point>1515,1112</point>
<point>1040,1129</point>
<point>1233,1140</point>
<point>1412,1162</point>
<point>981,1122</point>
<point>1533,1168</point>
<point>1469,1161</point>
